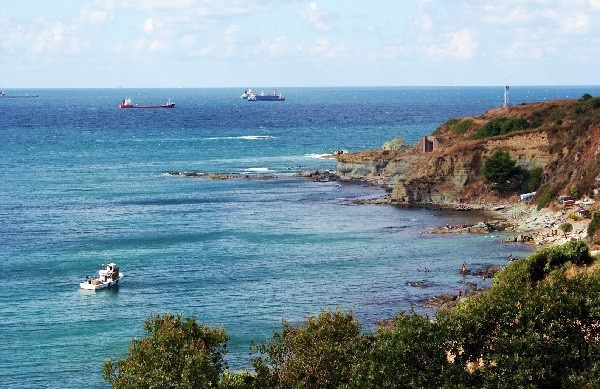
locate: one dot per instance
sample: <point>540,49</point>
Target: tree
<point>532,331</point>
<point>498,169</point>
<point>409,352</point>
<point>566,227</point>
<point>322,353</point>
<point>176,353</point>
<point>594,225</point>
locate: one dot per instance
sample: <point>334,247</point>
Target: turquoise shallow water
<point>83,184</point>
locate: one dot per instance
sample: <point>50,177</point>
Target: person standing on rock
<point>464,268</point>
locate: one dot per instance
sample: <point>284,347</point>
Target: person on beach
<point>463,270</point>
<point>459,294</point>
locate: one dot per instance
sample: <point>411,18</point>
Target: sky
<point>295,43</point>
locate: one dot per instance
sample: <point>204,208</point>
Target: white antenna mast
<point>505,105</point>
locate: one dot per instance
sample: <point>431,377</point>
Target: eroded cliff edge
<point>561,137</point>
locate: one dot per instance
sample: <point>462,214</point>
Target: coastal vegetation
<point>500,126</point>
<point>176,353</point>
<point>554,142</point>
<point>593,230</point>
<point>537,326</point>
<point>502,171</point>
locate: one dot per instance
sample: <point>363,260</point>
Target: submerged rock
<point>521,238</point>
<point>437,301</point>
<point>419,284</point>
<point>479,228</point>
<point>222,176</point>
<point>488,271</point>
<point>319,175</point>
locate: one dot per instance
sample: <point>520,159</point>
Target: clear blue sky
<point>221,43</point>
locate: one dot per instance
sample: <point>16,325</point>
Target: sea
<point>84,183</point>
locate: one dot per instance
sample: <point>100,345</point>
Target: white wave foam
<point>245,137</point>
<point>318,156</point>
<point>257,169</point>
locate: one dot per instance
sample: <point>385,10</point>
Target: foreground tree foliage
<point>322,353</point>
<point>177,353</point>
<point>409,352</point>
<point>538,326</point>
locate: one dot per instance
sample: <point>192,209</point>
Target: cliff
<point>561,137</point>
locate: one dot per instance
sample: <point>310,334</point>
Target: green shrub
<point>539,264</point>
<point>463,126</point>
<point>501,126</point>
<point>557,114</point>
<point>573,192</point>
<point>176,353</point>
<point>566,227</point>
<point>321,353</point>
<point>526,333</point>
<point>594,224</point>
<point>410,352</point>
<point>595,103</point>
<point>498,169</point>
<point>502,171</point>
<point>546,194</point>
<point>586,96</point>
<point>534,180</point>
<point>516,124</point>
<point>537,123</point>
<point>450,123</point>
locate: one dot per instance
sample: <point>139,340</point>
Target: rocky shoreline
<point>530,225</point>
<point>222,176</point>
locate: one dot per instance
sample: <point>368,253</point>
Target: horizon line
<point>309,87</point>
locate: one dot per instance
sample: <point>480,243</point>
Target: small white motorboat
<point>108,276</point>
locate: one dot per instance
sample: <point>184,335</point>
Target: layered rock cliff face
<point>446,167</point>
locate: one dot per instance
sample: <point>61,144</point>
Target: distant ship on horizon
<point>2,94</point>
<point>127,103</point>
<point>251,96</point>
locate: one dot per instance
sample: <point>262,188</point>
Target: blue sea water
<point>84,183</point>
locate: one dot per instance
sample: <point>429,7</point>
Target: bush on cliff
<point>463,126</point>
<point>501,126</point>
<point>498,169</point>
<point>594,225</point>
<point>502,171</point>
<point>534,180</point>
